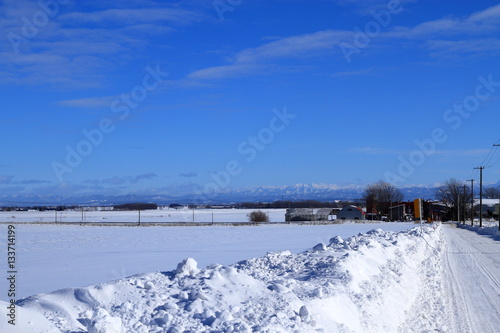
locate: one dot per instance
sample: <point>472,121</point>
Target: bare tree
<point>257,216</point>
<point>380,196</point>
<point>491,192</point>
<point>456,195</point>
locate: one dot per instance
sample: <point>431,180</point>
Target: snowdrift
<point>374,282</point>
<point>486,230</point>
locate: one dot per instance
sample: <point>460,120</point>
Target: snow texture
<point>488,229</point>
<point>472,279</point>
<point>72,255</point>
<point>381,281</point>
<point>164,215</point>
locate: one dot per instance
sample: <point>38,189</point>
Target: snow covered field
<point>58,256</point>
<point>314,279</point>
<point>153,216</point>
<point>270,291</point>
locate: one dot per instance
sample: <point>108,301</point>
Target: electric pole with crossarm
<point>471,201</point>
<point>495,145</point>
<point>481,168</point>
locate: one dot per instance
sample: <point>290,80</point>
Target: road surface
<point>472,281</point>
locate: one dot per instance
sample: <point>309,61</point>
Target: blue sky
<point>120,97</point>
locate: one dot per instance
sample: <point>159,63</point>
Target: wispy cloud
<point>484,21</point>
<point>377,151</point>
<point>90,102</point>
<point>462,153</point>
<point>33,182</point>
<point>442,153</point>
<point>354,73</point>
<point>257,60</point>
<point>365,7</point>
<point>6,179</point>
<point>451,47</point>
<point>227,71</point>
<point>143,176</point>
<point>260,59</point>
<point>132,16</point>
<point>188,174</point>
<point>115,181</point>
<point>293,46</point>
<point>81,49</point>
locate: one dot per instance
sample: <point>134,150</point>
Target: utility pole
<point>495,145</point>
<point>464,203</point>
<point>480,195</point>
<point>471,202</point>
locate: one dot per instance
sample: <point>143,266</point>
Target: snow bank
<point>492,230</point>
<point>375,282</point>
<point>23,320</point>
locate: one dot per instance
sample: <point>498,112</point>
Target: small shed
<point>351,213</point>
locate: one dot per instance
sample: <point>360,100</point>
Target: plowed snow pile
<point>375,282</point>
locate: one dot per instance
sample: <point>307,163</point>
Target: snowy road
<point>472,278</point>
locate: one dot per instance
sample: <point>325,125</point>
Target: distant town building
<point>489,208</point>
<point>351,213</point>
<point>405,211</point>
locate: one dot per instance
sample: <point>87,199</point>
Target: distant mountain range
<point>320,192</point>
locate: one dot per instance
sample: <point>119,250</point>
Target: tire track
<point>471,270</point>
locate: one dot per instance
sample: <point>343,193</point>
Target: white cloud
<point>6,179</point>
<point>258,60</point>
<point>131,16</point>
<point>128,179</point>
<point>478,46</point>
<point>250,61</point>
<point>225,71</point>
<point>481,22</point>
<point>378,151</point>
<point>188,174</point>
<point>90,102</point>
<point>463,153</point>
<point>354,73</point>
<point>293,46</point>
<point>442,153</point>
<point>491,14</point>
<point>77,49</point>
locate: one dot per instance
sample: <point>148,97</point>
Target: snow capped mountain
<point>322,192</point>
<point>296,192</point>
<point>304,192</point>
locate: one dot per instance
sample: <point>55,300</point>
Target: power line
<point>492,155</point>
<point>488,157</point>
<point>498,160</point>
<point>496,146</point>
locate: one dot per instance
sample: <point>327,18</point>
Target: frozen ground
<point>489,228</point>
<point>155,216</point>
<point>434,279</point>
<point>51,257</point>
<point>472,279</point>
